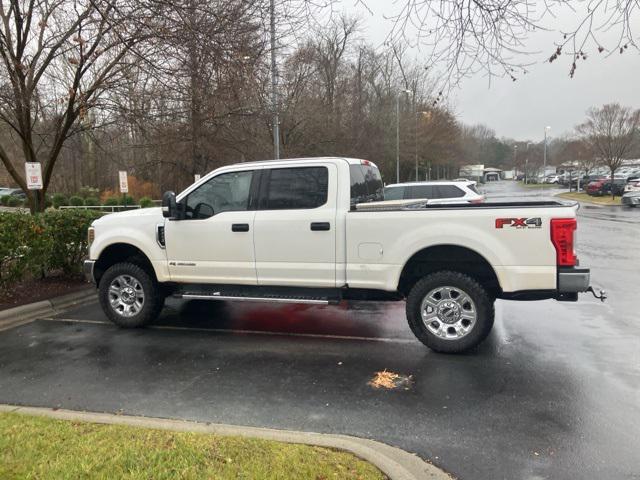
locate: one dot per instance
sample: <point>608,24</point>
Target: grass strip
<point>39,447</point>
<point>583,197</point>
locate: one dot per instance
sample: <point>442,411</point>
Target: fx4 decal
<point>519,222</point>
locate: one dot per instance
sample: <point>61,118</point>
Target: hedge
<point>39,244</point>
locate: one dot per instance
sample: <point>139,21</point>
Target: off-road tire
<point>484,311</point>
<point>153,297</point>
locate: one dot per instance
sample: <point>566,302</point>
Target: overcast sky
<point>545,96</point>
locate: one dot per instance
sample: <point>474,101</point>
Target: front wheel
<point>450,312</point>
<point>129,296</point>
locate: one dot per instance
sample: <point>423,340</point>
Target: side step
<point>261,294</point>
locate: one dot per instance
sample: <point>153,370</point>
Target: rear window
<point>473,188</point>
<point>448,191</point>
<point>366,184</point>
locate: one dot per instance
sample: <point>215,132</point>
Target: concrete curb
<point>393,462</point>
<point>13,317</point>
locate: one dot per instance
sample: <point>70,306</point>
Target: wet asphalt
<point>553,393</point>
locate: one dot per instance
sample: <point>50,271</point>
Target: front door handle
<point>240,227</point>
<point>320,226</point>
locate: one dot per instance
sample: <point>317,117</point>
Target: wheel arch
<point>448,257</point>
<point>122,252</point>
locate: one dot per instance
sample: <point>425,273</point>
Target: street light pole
<point>274,84</point>
<point>398,134</point>
<point>544,158</point>
<point>417,114</point>
<point>515,161</point>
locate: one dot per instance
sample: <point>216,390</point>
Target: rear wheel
<point>449,312</point>
<point>129,296</point>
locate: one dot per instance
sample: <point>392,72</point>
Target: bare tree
<point>58,57</point>
<point>611,132</point>
<point>489,36</point>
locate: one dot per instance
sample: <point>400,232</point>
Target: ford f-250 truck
<point>318,231</point>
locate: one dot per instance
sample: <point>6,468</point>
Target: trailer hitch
<point>602,296</point>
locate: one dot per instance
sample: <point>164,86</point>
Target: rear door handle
<point>240,227</point>
<point>320,226</point>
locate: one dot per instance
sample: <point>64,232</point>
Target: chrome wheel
<point>448,312</point>
<point>126,296</point>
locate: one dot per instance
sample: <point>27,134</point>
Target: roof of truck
<point>351,161</point>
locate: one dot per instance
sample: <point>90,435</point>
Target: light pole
<point>417,114</point>
<point>515,162</point>
<point>526,165</point>
<point>544,158</point>
<point>398,134</point>
<point>274,84</point>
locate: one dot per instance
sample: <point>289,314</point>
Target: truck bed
<point>404,205</point>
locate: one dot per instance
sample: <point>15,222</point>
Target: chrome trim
<point>87,269</point>
<point>573,281</point>
<point>254,299</point>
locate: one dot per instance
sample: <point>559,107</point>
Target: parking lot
<point>553,393</point>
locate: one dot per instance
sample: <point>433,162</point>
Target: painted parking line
<point>251,332</point>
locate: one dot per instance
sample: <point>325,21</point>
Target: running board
<point>196,296</point>
<point>260,293</point>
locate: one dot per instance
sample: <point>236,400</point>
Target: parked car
<point>551,179</point>
<point>616,187</point>
<point>631,199</point>
<point>15,192</point>
<point>632,186</point>
<point>438,192</point>
<point>594,187</point>
<point>298,231</point>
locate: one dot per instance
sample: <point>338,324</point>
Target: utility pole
<point>398,134</point>
<point>544,159</point>
<point>274,85</point>
<point>417,114</point>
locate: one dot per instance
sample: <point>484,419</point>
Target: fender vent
<point>160,235</point>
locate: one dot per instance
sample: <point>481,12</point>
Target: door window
<point>296,188</point>
<point>421,191</point>
<point>223,193</point>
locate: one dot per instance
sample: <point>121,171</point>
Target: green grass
<point>540,185</point>
<point>38,447</point>
<point>583,197</point>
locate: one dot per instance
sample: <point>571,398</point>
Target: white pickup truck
<point>318,231</point>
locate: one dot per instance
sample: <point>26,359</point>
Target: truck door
<point>214,241</point>
<point>295,226</point>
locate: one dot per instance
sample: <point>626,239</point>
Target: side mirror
<point>169,206</point>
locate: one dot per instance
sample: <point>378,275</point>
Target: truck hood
<point>130,215</point>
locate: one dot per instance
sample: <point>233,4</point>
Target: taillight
<point>477,200</point>
<point>562,233</point>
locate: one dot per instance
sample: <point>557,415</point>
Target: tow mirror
<point>169,206</point>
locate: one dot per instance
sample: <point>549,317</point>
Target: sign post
<point>33,174</point>
<point>196,177</point>
<point>124,185</point>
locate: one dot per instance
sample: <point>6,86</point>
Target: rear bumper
<point>573,280</point>
<point>87,269</point>
<point>570,282</point>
